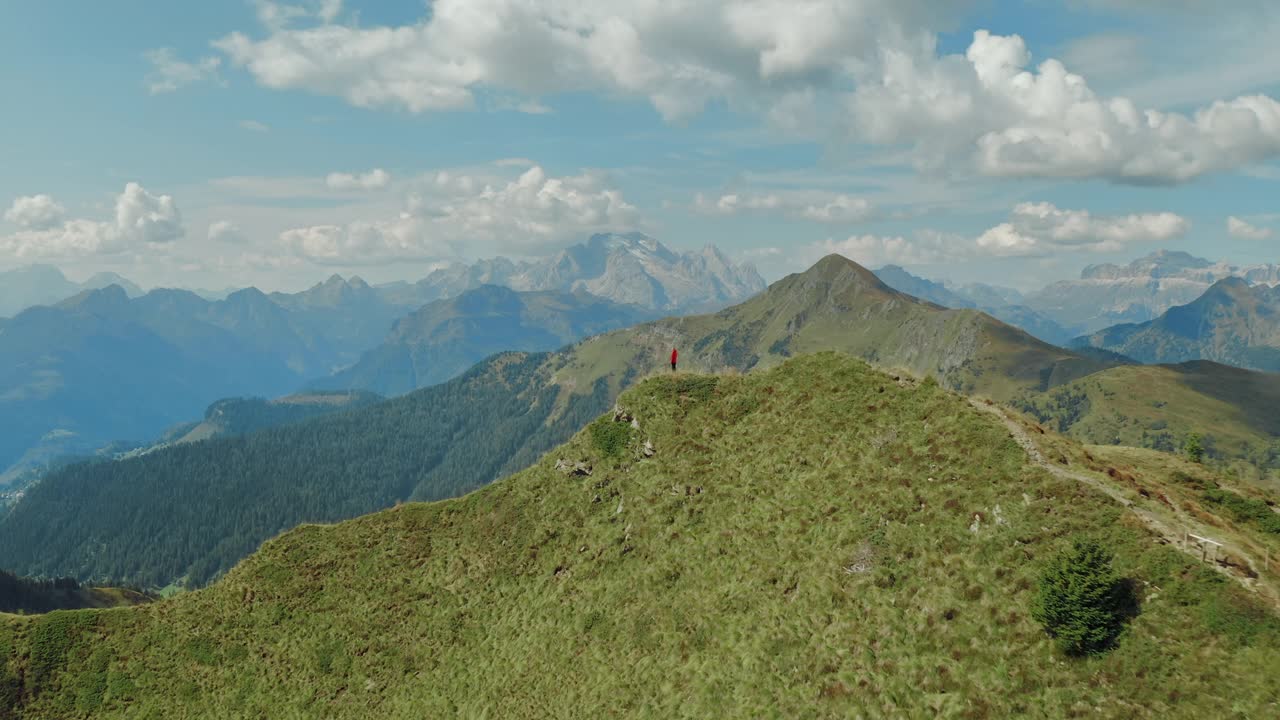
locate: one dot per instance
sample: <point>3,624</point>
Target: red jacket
<point>674,355</point>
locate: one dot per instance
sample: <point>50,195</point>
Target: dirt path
<point>1171,531</point>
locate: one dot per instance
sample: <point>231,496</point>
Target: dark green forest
<point>25,596</point>
<point>30,595</point>
<point>191,511</point>
<point>241,416</point>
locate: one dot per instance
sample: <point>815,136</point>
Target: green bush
<point>1081,601</point>
<point>1193,448</point>
<point>610,438</point>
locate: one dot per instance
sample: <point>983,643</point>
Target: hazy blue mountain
<point>33,285</point>
<point>984,295</point>
<point>101,366</point>
<point>630,268</point>
<point>989,299</point>
<point>442,339</point>
<point>1233,323</point>
<point>1109,294</point>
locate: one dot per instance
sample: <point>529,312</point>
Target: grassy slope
<point>1138,405</point>
<point>707,581</point>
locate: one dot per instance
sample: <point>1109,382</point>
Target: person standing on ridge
<point>674,355</point>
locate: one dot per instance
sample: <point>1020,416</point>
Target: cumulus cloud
<point>255,126</point>
<point>532,213</point>
<point>36,212</point>
<point>404,238</point>
<point>225,231</point>
<point>869,67</point>
<point>1041,229</point>
<point>141,219</point>
<point>375,179</point>
<point>168,73</point>
<point>987,110</point>
<point>678,56</point>
<point>817,206</point>
<point>1241,229</point>
<point>1033,230</point>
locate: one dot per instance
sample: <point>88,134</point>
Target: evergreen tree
<point>1193,448</point>
<point>1081,601</point>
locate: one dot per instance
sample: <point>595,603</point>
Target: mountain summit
<point>627,268</point>
<point>1233,322</point>
<point>1106,295</point>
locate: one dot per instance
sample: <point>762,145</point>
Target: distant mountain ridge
<point>1233,323</point>
<point>440,340</point>
<point>1110,294</point>
<point>101,366</point>
<point>1002,303</point>
<point>629,268</point>
<point>33,285</point>
<point>90,366</point>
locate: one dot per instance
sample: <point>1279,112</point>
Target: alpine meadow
<point>730,359</point>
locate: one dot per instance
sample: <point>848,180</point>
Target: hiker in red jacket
<point>674,355</point>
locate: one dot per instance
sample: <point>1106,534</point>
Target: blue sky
<point>232,143</point>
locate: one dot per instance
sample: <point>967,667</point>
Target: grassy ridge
<point>817,540</point>
<point>1158,406</point>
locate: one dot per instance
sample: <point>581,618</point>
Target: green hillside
<point>145,520</point>
<point>818,540</point>
<point>1234,323</point>
<point>1158,406</point>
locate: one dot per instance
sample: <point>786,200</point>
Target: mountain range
<point>629,268</point>
<point>497,418</point>
<point>442,339</point>
<point>1107,295</point>
<point>102,366</point>
<point>113,365</point>
<point>1233,323</point>
<point>1002,303</point>
<point>33,285</point>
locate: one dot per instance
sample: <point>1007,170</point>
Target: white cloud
<point>875,250</point>
<point>678,56</point>
<point>168,73</point>
<point>255,126</point>
<point>451,211</point>
<point>405,238</point>
<point>1042,229</point>
<point>224,231</point>
<point>1241,229</point>
<point>375,179</point>
<point>141,220</point>
<point>36,212</point>
<point>1033,230</point>
<point>791,61</point>
<point>823,207</point>
<point>987,111</point>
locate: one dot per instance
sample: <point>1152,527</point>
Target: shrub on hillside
<point>1081,601</point>
<point>610,438</point>
<point>1193,448</point>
